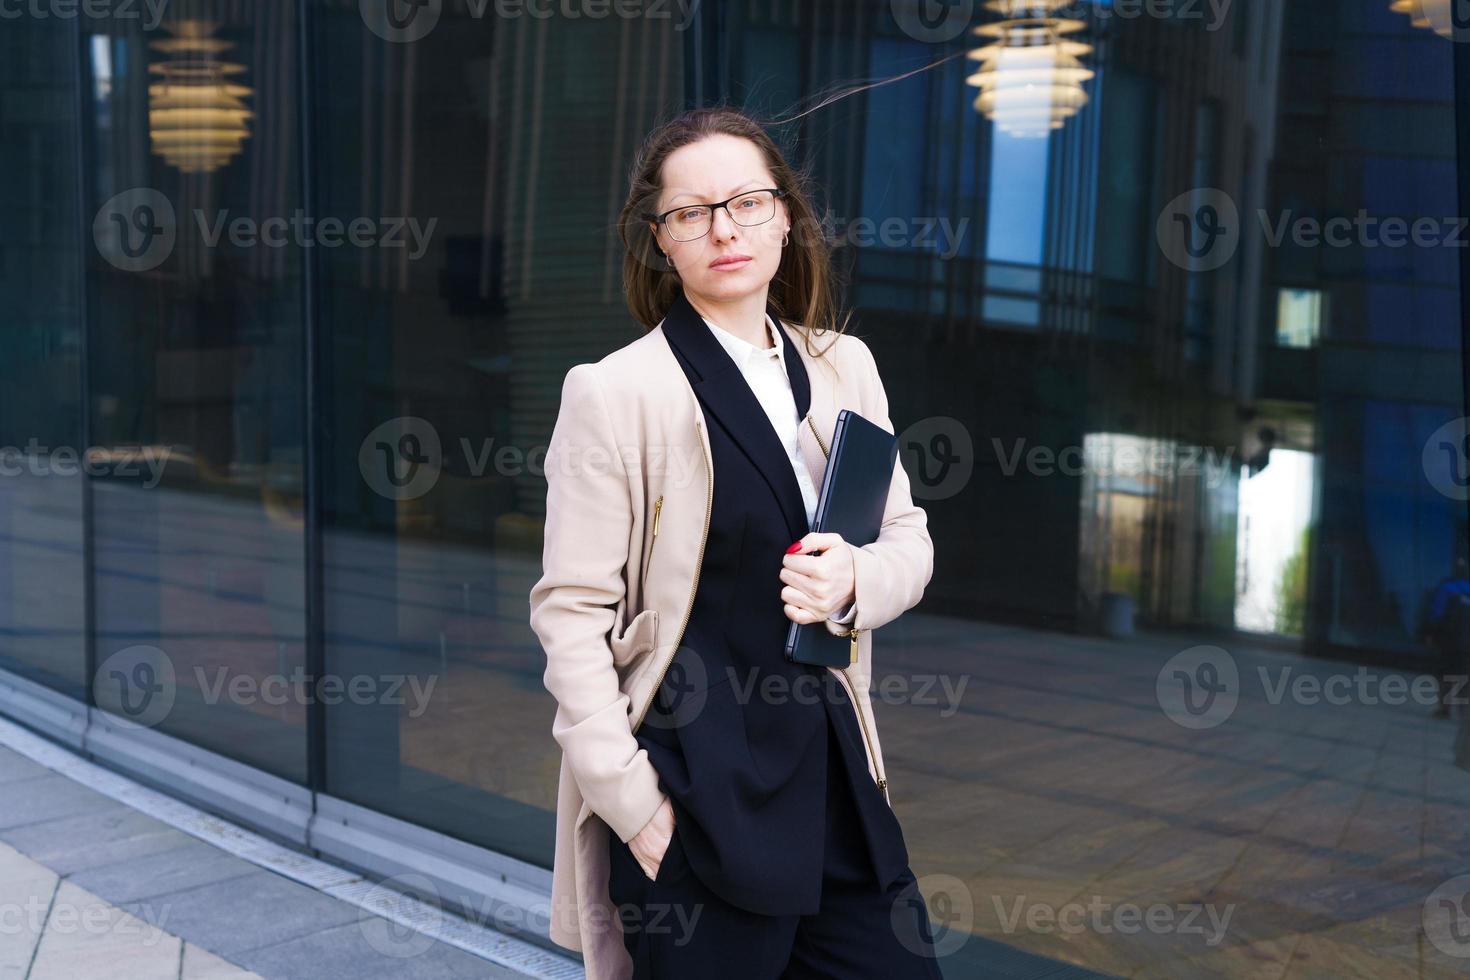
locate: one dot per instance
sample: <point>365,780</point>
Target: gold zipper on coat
<point>658,506</point>
<point>693,586</point>
<point>842,674</point>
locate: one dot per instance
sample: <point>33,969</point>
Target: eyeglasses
<point>685,224</point>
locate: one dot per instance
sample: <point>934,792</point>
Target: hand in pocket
<point>651,844</point>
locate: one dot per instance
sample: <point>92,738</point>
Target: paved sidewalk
<point>92,889</point>
<point>54,930</point>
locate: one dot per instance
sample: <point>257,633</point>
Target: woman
<point>721,812</point>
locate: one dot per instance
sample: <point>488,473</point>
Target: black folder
<point>854,495</point>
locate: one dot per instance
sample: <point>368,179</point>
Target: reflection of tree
<point>1291,589</point>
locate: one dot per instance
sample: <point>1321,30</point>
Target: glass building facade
<point>1177,359</point>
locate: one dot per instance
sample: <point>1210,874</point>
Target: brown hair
<point>801,292</point>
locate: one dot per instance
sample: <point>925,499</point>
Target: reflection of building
<point>1362,339</point>
<point>1059,321</point>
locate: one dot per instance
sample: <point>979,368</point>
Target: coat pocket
<point>636,639</point>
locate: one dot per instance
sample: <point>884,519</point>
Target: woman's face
<point>732,260</point>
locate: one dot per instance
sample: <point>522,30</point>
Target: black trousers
<point>674,928</point>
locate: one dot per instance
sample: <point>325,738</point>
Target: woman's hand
<point>817,586</point>
<point>651,843</point>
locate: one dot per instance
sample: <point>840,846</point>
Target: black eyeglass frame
<point>662,219</point>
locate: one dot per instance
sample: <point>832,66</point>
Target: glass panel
<point>502,145</point>
<point>196,337</point>
<point>42,578</point>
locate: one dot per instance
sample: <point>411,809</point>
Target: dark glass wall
<point>194,351</point>
<point>42,562</point>
<point>501,142</point>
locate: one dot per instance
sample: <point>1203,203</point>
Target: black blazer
<point>738,734</point>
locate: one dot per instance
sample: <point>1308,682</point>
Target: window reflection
<point>195,342</point>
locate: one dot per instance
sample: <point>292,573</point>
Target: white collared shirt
<point>764,370</point>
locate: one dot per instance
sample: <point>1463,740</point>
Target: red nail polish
<point>794,548</point>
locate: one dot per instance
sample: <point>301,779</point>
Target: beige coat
<point>627,512</point>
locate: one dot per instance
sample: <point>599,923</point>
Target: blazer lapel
<point>724,393</point>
